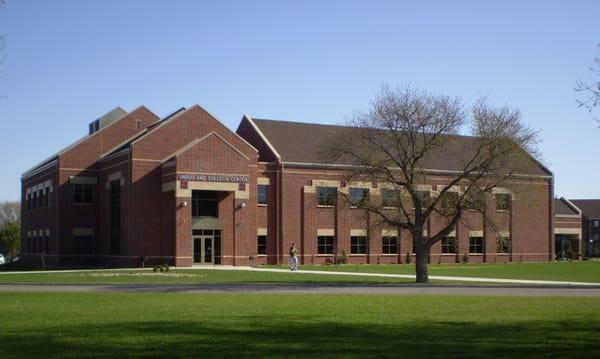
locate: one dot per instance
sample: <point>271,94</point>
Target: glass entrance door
<point>207,248</point>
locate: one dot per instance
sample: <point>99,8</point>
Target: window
<point>390,245</point>
<point>359,196</point>
<point>83,244</point>
<point>325,244</point>
<point>115,217</point>
<point>262,194</point>
<point>423,196</point>
<point>475,200</point>
<point>502,202</point>
<point>83,193</point>
<point>358,245</point>
<point>503,244</point>
<point>449,245</point>
<point>262,244</point>
<point>205,204</point>
<point>475,244</point>
<point>388,198</point>
<point>448,201</point>
<point>326,196</point>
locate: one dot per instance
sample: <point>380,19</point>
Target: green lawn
<point>586,271</point>
<point>113,325</point>
<point>187,276</point>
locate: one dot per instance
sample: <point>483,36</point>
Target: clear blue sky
<point>69,62</point>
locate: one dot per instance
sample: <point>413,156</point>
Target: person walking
<point>293,258</point>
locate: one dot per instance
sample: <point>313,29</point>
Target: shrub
<point>408,258</point>
<point>465,258</point>
<point>344,258</point>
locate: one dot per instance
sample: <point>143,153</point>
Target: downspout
<point>551,208</point>
<point>280,214</point>
<point>130,190</point>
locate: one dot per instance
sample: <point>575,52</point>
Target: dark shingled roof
<point>302,143</point>
<point>589,207</point>
<point>562,207</point>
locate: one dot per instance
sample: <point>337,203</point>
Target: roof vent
<point>116,114</point>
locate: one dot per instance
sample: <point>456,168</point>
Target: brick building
<point>590,225</point>
<point>567,229</point>
<point>186,189</point>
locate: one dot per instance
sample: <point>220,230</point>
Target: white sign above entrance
<point>214,178</point>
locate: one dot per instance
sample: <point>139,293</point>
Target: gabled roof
<point>589,207</point>
<point>302,143</point>
<point>564,207</point>
<point>127,144</point>
<point>115,114</point>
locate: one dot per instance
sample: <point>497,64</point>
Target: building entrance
<point>207,246</point>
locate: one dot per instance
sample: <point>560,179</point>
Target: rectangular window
<point>325,244</point>
<point>475,200</point>
<point>359,196</point>
<point>262,244</point>
<point>115,217</point>
<point>475,244</point>
<point>388,198</point>
<point>503,244</point>
<point>205,204</point>
<point>261,194</point>
<point>449,245</point>
<point>502,201</point>
<point>358,245</point>
<point>423,196</point>
<point>326,196</point>
<point>390,245</point>
<point>83,193</point>
<point>83,244</point>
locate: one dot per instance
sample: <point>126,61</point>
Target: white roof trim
<point>262,136</point>
<point>573,206</point>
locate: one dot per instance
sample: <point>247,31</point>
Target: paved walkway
<point>433,277</point>
<point>361,274</point>
<point>395,289</point>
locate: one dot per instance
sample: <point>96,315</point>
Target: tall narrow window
<point>359,196</point>
<point>503,201</point>
<point>262,244</point>
<point>205,204</point>
<point>388,198</point>
<point>326,196</point>
<point>358,244</point>
<point>449,245</point>
<point>115,217</point>
<point>83,244</point>
<point>475,244</point>
<point>503,244</point>
<point>325,244</point>
<point>389,245</point>
<point>83,193</point>
<point>261,194</point>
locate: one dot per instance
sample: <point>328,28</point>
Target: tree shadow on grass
<point>305,337</point>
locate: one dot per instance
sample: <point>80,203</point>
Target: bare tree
<point>10,212</point>
<point>590,90</point>
<point>403,132</point>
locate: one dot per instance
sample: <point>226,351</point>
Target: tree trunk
<point>421,266</point>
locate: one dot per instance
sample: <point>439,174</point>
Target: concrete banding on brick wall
<point>151,177</point>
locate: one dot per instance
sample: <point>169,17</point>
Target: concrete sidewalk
<point>334,273</point>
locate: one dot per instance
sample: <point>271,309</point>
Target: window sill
<point>388,255</point>
<point>502,254</point>
<point>323,255</point>
<point>324,206</point>
<point>261,255</point>
<point>262,205</point>
<point>390,208</point>
<point>502,211</point>
<point>476,254</point>
<point>357,254</point>
<point>448,254</point>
